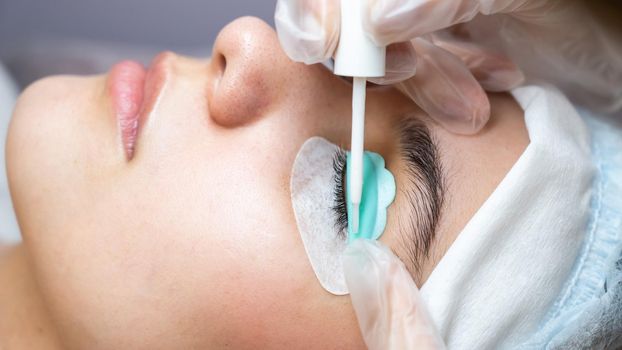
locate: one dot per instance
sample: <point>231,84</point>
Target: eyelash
<point>339,206</point>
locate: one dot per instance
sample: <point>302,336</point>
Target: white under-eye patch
<point>312,185</point>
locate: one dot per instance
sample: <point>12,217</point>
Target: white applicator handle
<point>357,148</point>
<point>358,57</point>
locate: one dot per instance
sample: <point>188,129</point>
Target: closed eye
<point>423,190</point>
<point>339,194</point>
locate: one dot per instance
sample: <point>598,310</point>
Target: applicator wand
<point>357,57</point>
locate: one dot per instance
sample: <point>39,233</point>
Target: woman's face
<point>192,243</point>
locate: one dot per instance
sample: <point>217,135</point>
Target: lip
<point>134,91</point>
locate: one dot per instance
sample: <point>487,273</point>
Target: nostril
<point>221,63</point>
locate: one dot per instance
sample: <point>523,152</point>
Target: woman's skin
<point>193,244</point>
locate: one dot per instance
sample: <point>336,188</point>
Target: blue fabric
<point>588,312</point>
<point>9,232</point>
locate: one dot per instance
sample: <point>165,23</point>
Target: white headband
<point>508,265</point>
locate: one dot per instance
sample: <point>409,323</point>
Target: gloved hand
<point>452,49</point>
<point>388,307</point>
<point>309,32</point>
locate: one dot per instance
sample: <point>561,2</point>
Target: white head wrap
<point>510,262</point>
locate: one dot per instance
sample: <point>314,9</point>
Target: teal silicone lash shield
<point>312,185</point>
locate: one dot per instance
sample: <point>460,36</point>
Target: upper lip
<point>144,96</point>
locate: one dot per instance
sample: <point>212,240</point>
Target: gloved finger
<point>391,21</point>
<point>446,90</point>
<point>308,29</point>
<point>494,71</point>
<point>389,309</point>
<point>401,64</point>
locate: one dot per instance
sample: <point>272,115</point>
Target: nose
<point>248,71</point>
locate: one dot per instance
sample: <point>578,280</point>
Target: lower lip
<point>134,91</point>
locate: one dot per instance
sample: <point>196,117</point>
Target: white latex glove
<point>455,51</point>
<point>556,41</point>
<point>387,303</point>
<point>309,32</point>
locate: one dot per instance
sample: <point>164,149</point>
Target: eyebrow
<point>424,192</point>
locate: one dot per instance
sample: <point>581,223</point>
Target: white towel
<point>508,265</point>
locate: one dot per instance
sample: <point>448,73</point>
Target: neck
<point>24,320</point>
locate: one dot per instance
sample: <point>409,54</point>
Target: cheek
<point>240,271</point>
<point>215,259</point>
<point>192,245</point>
